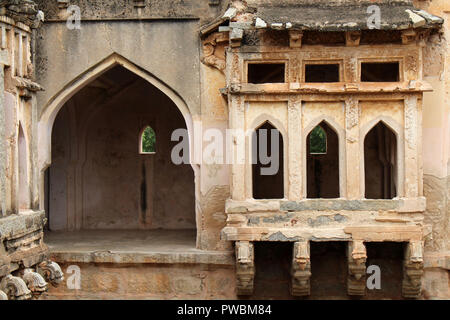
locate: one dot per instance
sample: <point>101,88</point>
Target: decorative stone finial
<point>35,282</point>
<point>15,288</point>
<point>51,271</point>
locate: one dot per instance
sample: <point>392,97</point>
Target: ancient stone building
<point>355,94</point>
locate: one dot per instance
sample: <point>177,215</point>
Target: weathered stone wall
<point>113,281</point>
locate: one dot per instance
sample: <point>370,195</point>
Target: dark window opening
<point>380,162</point>
<point>323,167</point>
<point>266,73</point>
<point>328,270</point>
<point>322,73</point>
<point>273,263</point>
<point>388,257</point>
<point>268,178</point>
<point>380,72</point>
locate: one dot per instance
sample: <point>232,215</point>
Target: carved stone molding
<point>301,270</point>
<point>245,268</point>
<point>24,11</point>
<point>357,257</point>
<point>51,272</point>
<point>209,50</point>
<point>413,270</point>
<point>35,282</point>
<point>15,288</point>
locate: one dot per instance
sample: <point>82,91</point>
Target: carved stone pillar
<point>357,257</point>
<point>413,270</point>
<point>301,270</point>
<point>245,268</point>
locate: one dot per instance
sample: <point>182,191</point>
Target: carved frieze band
<point>352,114</point>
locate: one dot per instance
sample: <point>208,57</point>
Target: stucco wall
<point>167,50</point>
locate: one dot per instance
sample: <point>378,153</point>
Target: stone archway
<point>80,212</point>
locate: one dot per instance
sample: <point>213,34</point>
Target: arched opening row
<point>323,163</point>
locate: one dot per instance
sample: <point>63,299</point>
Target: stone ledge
<point>437,260</point>
<point>20,224</point>
<point>199,257</point>
<point>402,205</point>
<point>393,233</point>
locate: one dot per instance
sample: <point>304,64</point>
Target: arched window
<point>268,163</point>
<point>380,163</point>
<point>323,163</point>
<point>148,141</point>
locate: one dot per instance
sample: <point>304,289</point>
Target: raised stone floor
<point>132,246</point>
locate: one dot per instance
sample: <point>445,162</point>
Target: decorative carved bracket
<point>301,270</point>
<point>63,4</point>
<point>139,3</point>
<point>35,282</point>
<point>409,36</point>
<point>413,270</point>
<point>15,288</point>
<point>214,2</point>
<point>245,268</point>
<point>353,38</point>
<point>357,257</point>
<point>236,36</point>
<point>209,50</point>
<point>51,272</point>
<point>295,38</point>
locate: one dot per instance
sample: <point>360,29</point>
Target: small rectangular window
<point>380,72</point>
<point>266,73</point>
<point>322,73</point>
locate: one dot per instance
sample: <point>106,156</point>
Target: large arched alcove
<point>98,178</point>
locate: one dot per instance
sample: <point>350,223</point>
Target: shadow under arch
<point>397,130</point>
<point>266,184</point>
<point>340,132</point>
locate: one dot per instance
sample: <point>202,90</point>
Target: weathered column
<point>357,257</point>
<point>352,114</point>
<point>301,270</point>
<point>413,270</point>
<point>411,143</point>
<point>237,124</point>
<point>3,204</point>
<point>245,268</point>
<point>295,148</point>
